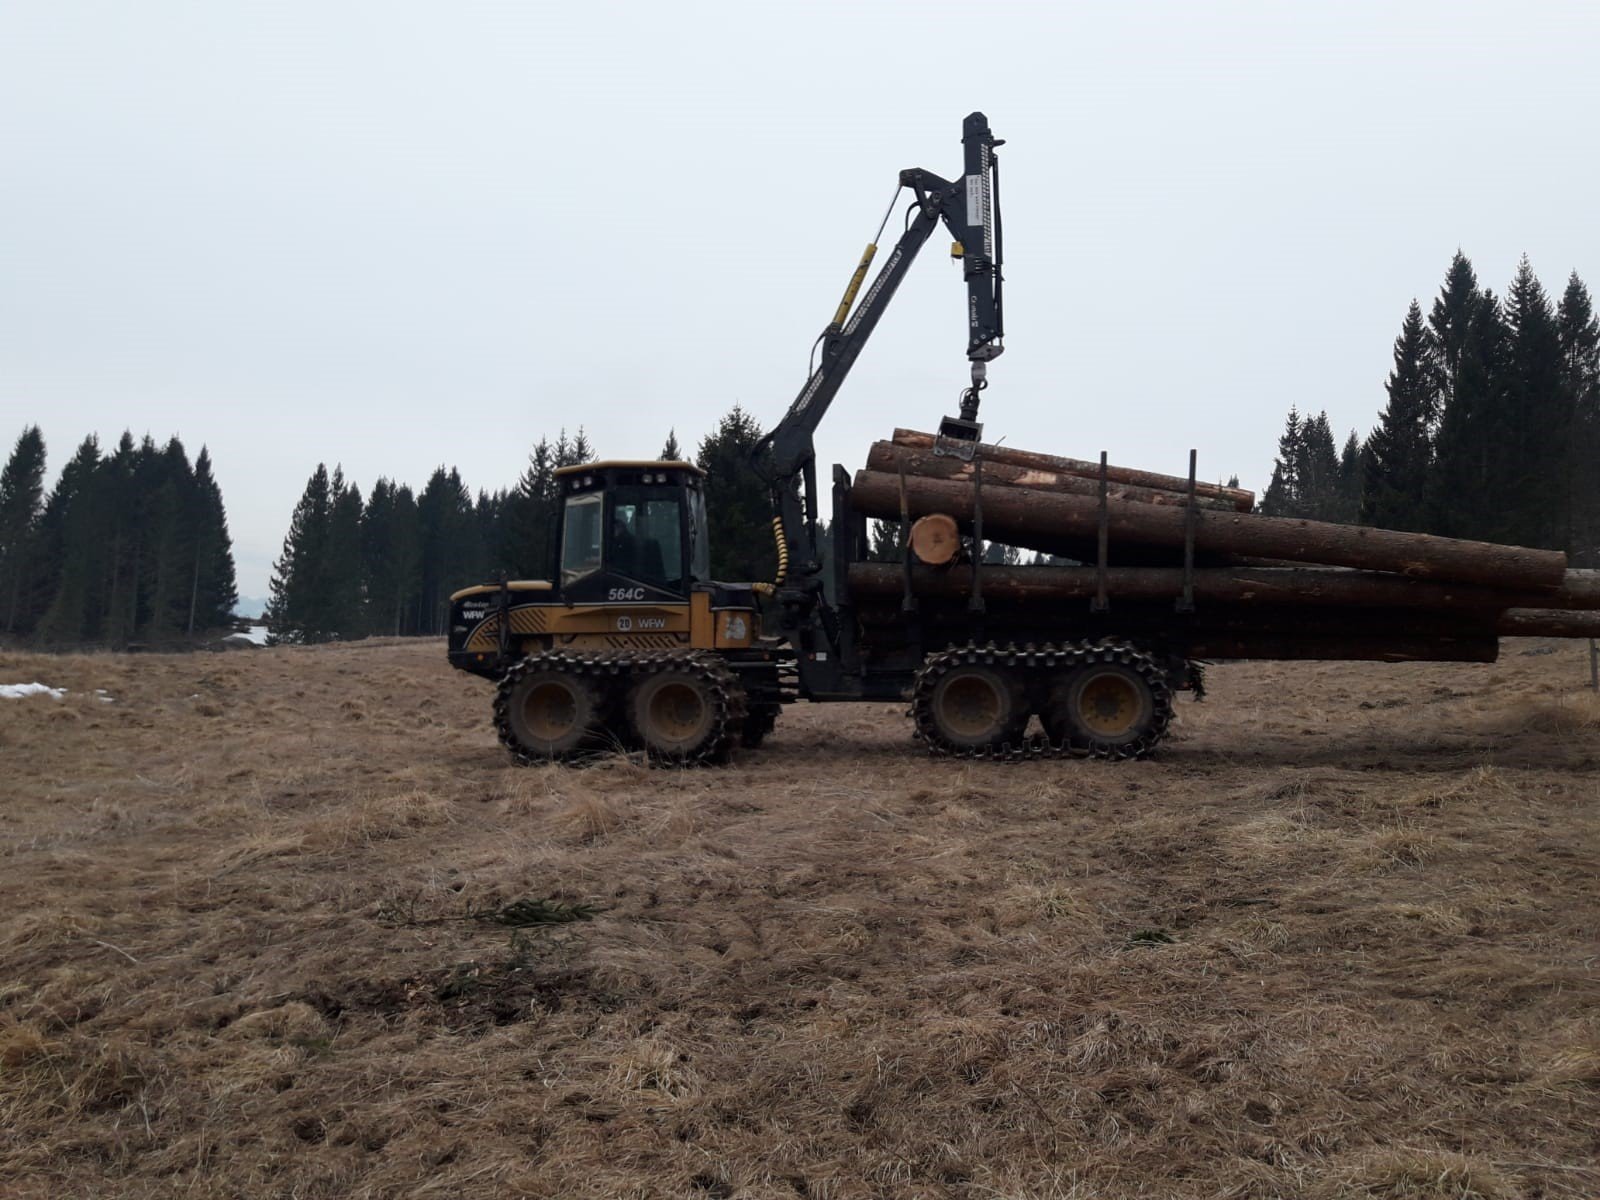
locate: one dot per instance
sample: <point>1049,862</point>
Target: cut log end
<point>936,539</point>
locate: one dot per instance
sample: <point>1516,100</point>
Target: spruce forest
<point>1490,431</point>
<point>386,563</point>
<point>128,548</point>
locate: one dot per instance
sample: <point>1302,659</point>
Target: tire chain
<point>610,667</point>
<point>1028,659</point>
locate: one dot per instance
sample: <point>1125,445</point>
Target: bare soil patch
<point>1339,939</point>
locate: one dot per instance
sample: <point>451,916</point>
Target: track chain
<point>613,671</point>
<point>1035,664</point>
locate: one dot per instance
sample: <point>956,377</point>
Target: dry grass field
<point>1340,939</point>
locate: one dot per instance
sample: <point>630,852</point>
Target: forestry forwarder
<point>633,643</point>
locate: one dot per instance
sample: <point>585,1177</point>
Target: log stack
<point>1180,559</point>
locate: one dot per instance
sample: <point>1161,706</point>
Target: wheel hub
<point>1109,705</point>
<point>971,706</point>
<point>549,711</point>
<point>678,711</point>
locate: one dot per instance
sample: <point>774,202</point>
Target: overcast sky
<point>394,235</point>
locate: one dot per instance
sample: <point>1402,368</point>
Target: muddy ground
<point>1339,939</point>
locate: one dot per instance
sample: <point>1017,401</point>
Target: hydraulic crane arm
<point>969,208</point>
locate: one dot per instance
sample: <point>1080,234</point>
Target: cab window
<point>646,537</point>
<point>580,536</point>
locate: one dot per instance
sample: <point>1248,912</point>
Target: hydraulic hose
<point>771,589</point>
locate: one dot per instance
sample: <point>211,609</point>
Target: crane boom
<point>969,208</point>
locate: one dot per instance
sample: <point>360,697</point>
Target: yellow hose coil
<point>770,589</point>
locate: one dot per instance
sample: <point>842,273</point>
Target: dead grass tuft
<point>1574,714</point>
<point>1396,847</point>
<point>1407,1174</point>
<point>292,1022</point>
<point>53,1079</point>
<point>656,1067</point>
<point>589,814</point>
<point>377,818</point>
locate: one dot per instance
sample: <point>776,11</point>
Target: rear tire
<point>975,706</point>
<point>1116,706</point>
<point>545,714</point>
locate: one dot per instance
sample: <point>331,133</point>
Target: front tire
<point>974,706</point>
<point>546,714</point>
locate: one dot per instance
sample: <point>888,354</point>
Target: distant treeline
<point>129,547</point>
<point>386,564</point>
<point>1491,430</point>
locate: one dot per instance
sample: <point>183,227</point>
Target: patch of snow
<point>16,691</point>
<point>256,635</point>
<point>101,695</point>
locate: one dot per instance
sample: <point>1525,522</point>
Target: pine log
<point>886,456</point>
<point>935,539</point>
<point>1333,642</point>
<point>1548,622</point>
<point>1238,498</point>
<point>1347,649</point>
<point>1249,586</point>
<point>1580,589</point>
<point>1158,623</point>
<point>1051,522</point>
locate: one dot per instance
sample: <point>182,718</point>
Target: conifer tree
<point>739,506</point>
<point>343,585</point>
<point>1580,378</point>
<point>1537,425</point>
<point>1449,326</point>
<point>671,451</point>
<point>447,533</point>
<point>379,579</point>
<point>1467,472</point>
<point>578,450</point>
<point>298,610</point>
<point>1352,479</point>
<point>493,535</point>
<point>1281,498</point>
<point>169,518</point>
<point>1306,476</point>
<point>213,583</point>
<point>114,554</point>
<point>21,506</point>
<point>391,558</point>
<point>408,558</point>
<point>1318,473</point>
<point>1399,453</point>
<point>117,485</point>
<point>528,515</point>
<point>72,545</point>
